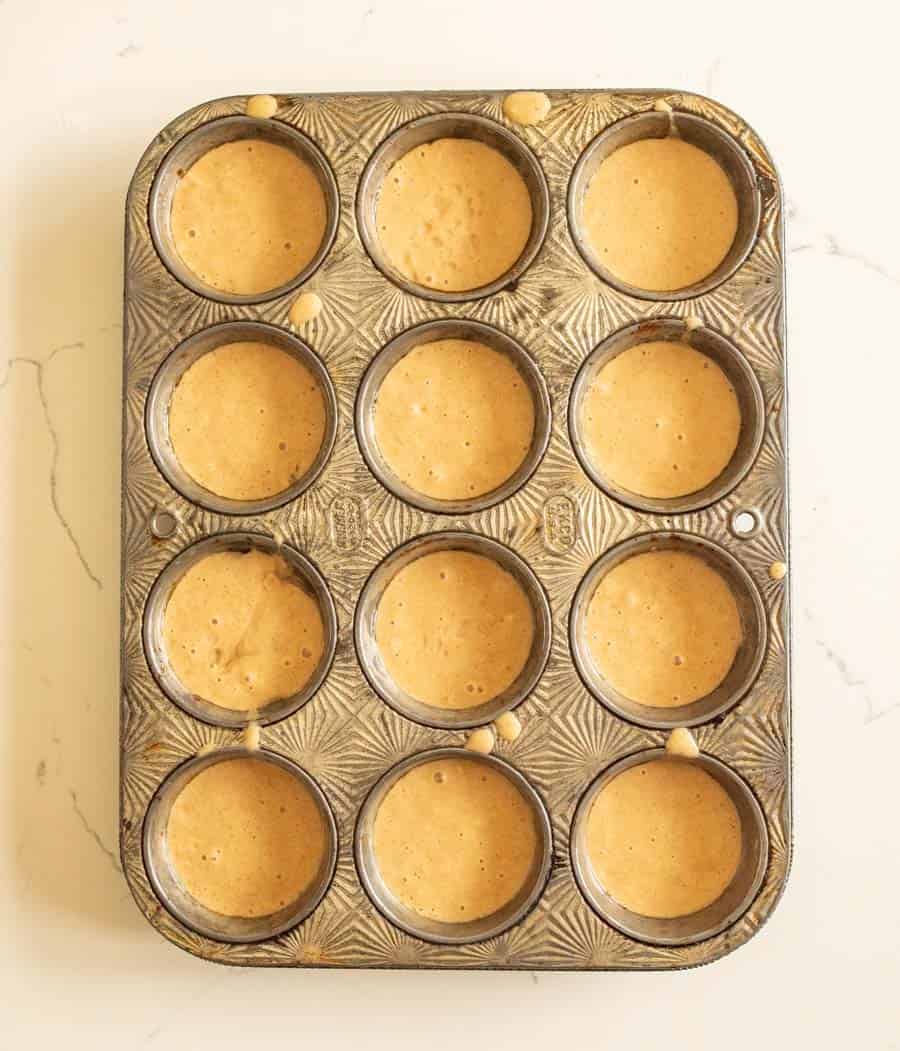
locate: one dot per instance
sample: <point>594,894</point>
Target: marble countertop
<point>85,87</point>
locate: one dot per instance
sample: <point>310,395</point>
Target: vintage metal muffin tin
<point>343,525</point>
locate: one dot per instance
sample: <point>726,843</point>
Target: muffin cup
<point>169,374</point>
<point>189,149</point>
<point>451,126</point>
<point>370,658</point>
<point>438,931</point>
<point>307,577</point>
<point>429,332</point>
<point>698,132</point>
<point>748,659</point>
<point>715,917</point>
<point>741,377</point>
<point>164,879</point>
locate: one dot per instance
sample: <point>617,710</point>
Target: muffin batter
<point>247,420</point>
<point>663,628</point>
<point>481,740</point>
<point>661,420</point>
<point>306,308</point>
<point>454,419</point>
<point>660,213</point>
<point>454,840</point>
<point>526,107</point>
<point>240,632</point>
<point>263,106</point>
<point>664,838</point>
<point>454,629</point>
<point>246,838</point>
<point>453,214</point>
<point>248,216</point>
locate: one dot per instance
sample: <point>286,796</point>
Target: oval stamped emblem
<point>348,523</point>
<point>560,524</point>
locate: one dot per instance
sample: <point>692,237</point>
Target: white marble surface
<point>85,86</point>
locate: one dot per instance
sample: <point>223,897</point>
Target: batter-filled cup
<point>666,416</point>
<point>453,416</point>
<point>240,844</point>
<point>453,207</point>
<point>241,417</point>
<point>669,850</point>
<point>668,630</point>
<point>243,209</point>
<point>453,847</point>
<point>239,629</point>
<point>453,629</point>
<point>664,205</point>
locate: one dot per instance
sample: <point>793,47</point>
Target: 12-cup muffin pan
<point>557,525</point>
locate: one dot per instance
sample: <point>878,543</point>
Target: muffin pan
<point>345,526</point>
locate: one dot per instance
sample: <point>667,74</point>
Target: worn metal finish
<point>558,523</point>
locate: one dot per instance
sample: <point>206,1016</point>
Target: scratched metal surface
<point>346,737</point>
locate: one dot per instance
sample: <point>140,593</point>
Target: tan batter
<point>306,308</point>
<point>240,632</point>
<point>454,840</point>
<point>454,419</point>
<point>660,213</point>
<point>661,420</point>
<point>245,838</point>
<point>247,420</point>
<point>248,216</point>
<point>481,740</point>
<point>664,838</point>
<point>262,106</point>
<point>454,629</point>
<point>526,107</point>
<point>453,214</point>
<point>663,628</point>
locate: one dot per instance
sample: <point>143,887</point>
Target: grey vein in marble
<point>849,679</point>
<point>363,26</point>
<point>823,242</point>
<point>832,247</point>
<point>92,832</point>
<point>39,367</point>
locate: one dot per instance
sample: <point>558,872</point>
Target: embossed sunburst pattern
<point>346,737</point>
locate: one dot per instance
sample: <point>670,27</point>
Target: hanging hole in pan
<point>163,524</point>
<point>745,524</point>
